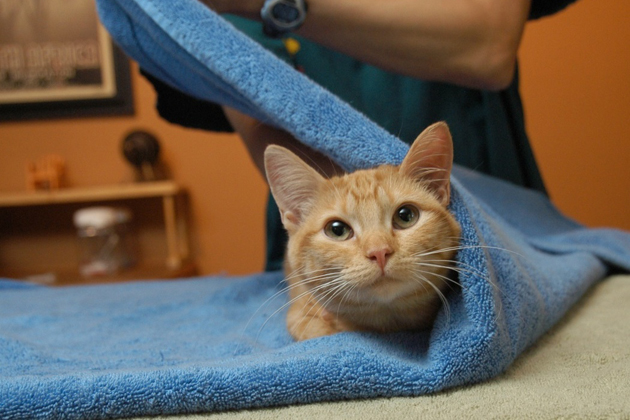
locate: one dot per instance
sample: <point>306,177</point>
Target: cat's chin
<point>385,288</point>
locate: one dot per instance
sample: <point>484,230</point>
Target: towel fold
<point>212,344</point>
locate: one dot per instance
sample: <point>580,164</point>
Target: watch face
<point>285,13</point>
<point>282,16</point>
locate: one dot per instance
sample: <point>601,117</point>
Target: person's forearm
<point>467,42</point>
<point>257,136</point>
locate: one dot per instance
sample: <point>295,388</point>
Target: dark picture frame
<point>57,61</point>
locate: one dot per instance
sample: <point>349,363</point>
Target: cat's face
<point>374,235</point>
<point>373,228</point>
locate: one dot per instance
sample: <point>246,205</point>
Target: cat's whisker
<point>451,265</point>
<point>438,292</point>
<point>421,282</point>
<point>329,295</point>
<point>345,286</point>
<point>346,290</point>
<point>443,297</point>
<point>329,282</point>
<point>290,287</point>
<point>469,269</point>
<point>326,279</point>
<point>484,276</point>
<point>330,292</point>
<point>446,279</point>
<point>464,247</point>
<point>303,273</point>
<point>303,282</point>
<point>466,269</point>
<point>323,279</point>
<point>281,308</point>
<point>349,290</point>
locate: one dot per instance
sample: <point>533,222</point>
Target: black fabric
<point>542,8</point>
<point>178,108</point>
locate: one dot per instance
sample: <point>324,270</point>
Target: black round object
<point>140,147</point>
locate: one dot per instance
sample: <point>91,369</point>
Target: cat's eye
<point>338,230</point>
<point>405,216</point>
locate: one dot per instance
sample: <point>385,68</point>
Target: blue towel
<point>211,344</point>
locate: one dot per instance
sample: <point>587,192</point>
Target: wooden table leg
<point>173,258</point>
<point>182,227</point>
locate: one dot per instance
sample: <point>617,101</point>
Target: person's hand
<point>257,136</point>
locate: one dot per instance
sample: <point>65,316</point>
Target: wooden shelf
<point>88,194</point>
<point>69,276</point>
<point>178,258</point>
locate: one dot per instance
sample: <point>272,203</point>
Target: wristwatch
<point>282,16</point>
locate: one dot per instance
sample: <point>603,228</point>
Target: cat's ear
<point>293,184</point>
<point>430,160</point>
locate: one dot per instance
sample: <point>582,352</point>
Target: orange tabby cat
<point>370,250</point>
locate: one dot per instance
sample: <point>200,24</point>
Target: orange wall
<point>576,88</point>
<point>575,70</point>
<point>226,192</point>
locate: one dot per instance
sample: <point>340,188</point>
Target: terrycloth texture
<point>579,370</point>
<point>213,344</point>
<point>188,46</point>
<point>176,347</point>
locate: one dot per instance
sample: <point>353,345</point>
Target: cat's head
<point>371,228</point>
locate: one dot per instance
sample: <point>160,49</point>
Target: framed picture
<point>56,60</point>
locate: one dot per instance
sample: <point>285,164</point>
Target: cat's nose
<point>380,256</point>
